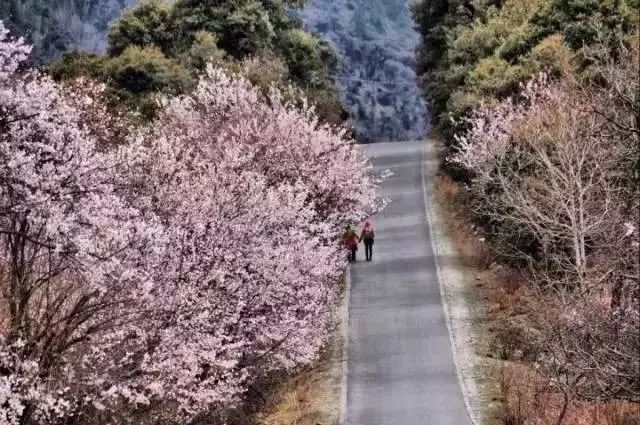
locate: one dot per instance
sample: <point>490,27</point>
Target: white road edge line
<point>443,298</point>
<point>344,317</point>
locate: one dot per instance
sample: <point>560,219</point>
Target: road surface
<point>400,369</point>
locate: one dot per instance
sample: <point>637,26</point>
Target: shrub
<point>75,64</point>
<point>148,24</point>
<point>303,55</point>
<point>494,77</point>
<point>138,74</point>
<point>551,55</point>
<point>203,51</point>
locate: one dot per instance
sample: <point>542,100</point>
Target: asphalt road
<point>400,368</point>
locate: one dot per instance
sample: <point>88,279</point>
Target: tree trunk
<point>565,406</point>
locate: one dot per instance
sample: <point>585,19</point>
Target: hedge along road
<point>400,368</point>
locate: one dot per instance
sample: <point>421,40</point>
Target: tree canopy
<point>168,45</point>
<point>478,51</point>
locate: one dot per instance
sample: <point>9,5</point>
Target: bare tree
<point>560,165</point>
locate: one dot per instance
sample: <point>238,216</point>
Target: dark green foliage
<point>162,47</point>
<point>242,27</point>
<point>583,22</point>
<point>429,16</point>
<point>307,58</point>
<point>145,70</point>
<point>437,21</point>
<point>204,50</point>
<point>148,24</point>
<point>247,30</point>
<point>138,73</point>
<point>75,64</point>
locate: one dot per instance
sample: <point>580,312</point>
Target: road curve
<point>400,369</point>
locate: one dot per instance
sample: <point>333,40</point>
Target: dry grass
<point>311,397</point>
<point>530,400</point>
<point>465,237</point>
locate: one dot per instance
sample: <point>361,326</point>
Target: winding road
<point>400,369</point>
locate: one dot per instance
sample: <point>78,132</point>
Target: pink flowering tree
<point>254,193</point>
<point>13,52</point>
<point>68,244</point>
<point>246,284</point>
<point>489,134</point>
<point>166,274</point>
<point>283,142</point>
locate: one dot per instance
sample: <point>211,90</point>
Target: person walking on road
<point>351,241</point>
<point>368,235</point>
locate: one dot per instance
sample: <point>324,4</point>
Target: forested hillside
<point>376,41</point>
<point>539,104</point>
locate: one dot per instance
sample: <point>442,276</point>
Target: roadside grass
<point>477,259</point>
<point>465,238</point>
<point>309,398</point>
<point>519,394</point>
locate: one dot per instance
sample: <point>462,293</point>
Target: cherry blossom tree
<point>254,193</point>
<point>236,299</point>
<point>13,52</point>
<point>68,242</point>
<point>285,143</point>
<point>162,269</point>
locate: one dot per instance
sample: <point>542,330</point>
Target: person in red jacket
<point>351,241</point>
<point>367,235</point>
